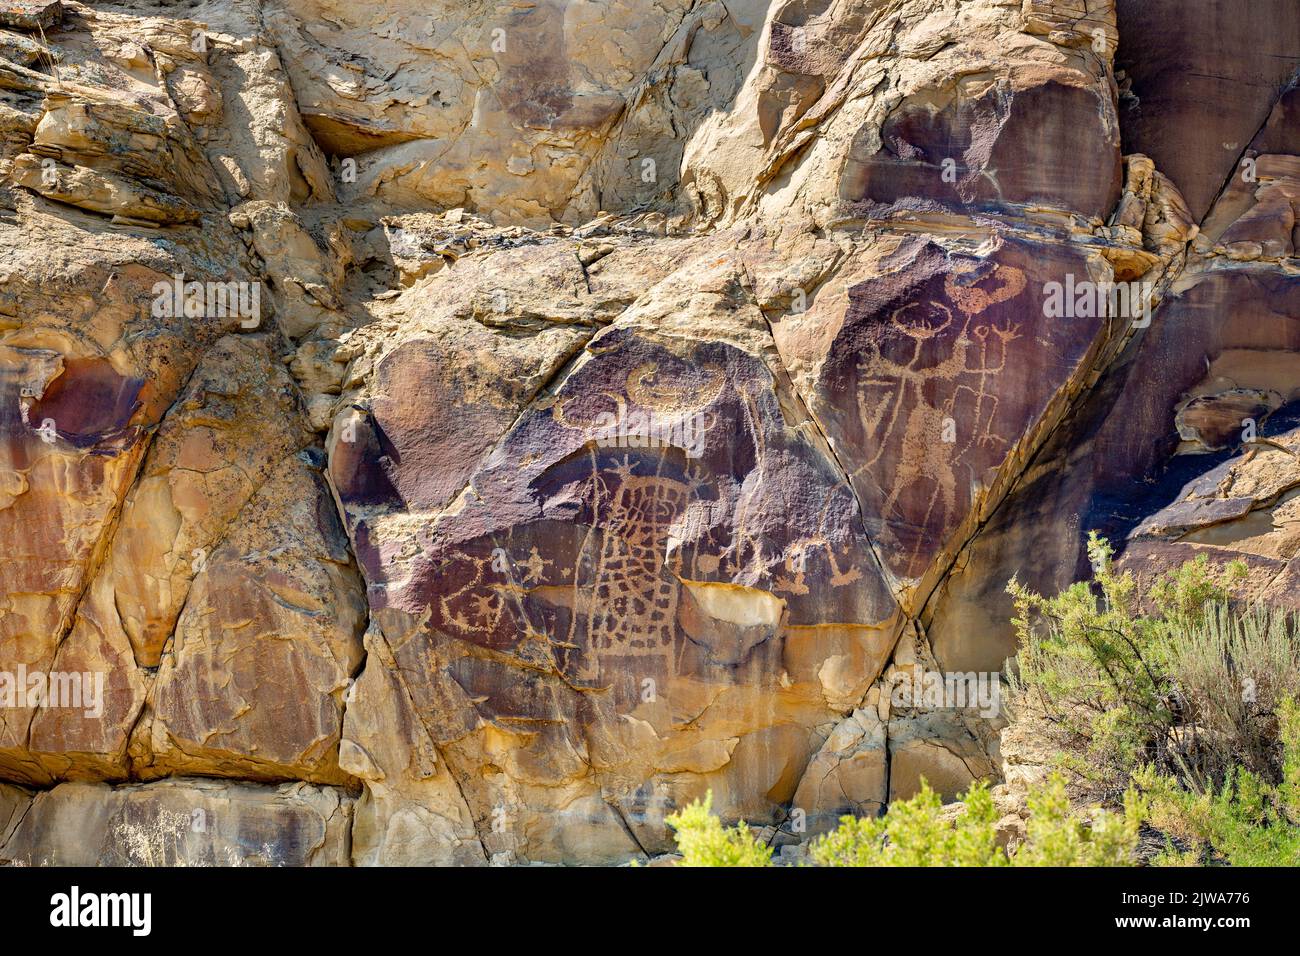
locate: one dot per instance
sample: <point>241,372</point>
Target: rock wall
<point>466,433</point>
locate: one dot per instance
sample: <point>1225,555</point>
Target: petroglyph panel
<point>943,364</point>
<point>646,469</point>
<point>1054,142</point>
<point>651,563</point>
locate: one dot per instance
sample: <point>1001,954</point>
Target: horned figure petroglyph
<point>899,368</point>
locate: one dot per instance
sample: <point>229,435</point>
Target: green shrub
<point>1245,822</point>
<point>1093,663</point>
<point>1230,672</point>
<point>1175,696</point>
<point>1053,837</point>
<point>703,841</point>
<point>914,833</point>
<point>918,832</point>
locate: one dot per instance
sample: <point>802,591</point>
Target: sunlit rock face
<point>466,435</point>
<point>1181,447</point>
<point>1033,138</point>
<point>944,362</point>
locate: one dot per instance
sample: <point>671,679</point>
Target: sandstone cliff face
<point>465,434</point>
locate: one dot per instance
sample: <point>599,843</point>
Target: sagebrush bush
<point>1247,821</point>
<point>1094,664</point>
<point>1177,696</point>
<point>1230,672</point>
<point>916,832</point>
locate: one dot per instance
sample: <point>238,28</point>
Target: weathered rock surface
<point>848,776</point>
<point>1201,403</point>
<point>182,822</point>
<point>582,407</point>
<point>253,683</point>
<point>934,368</point>
<point>31,14</point>
<point>14,803</point>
